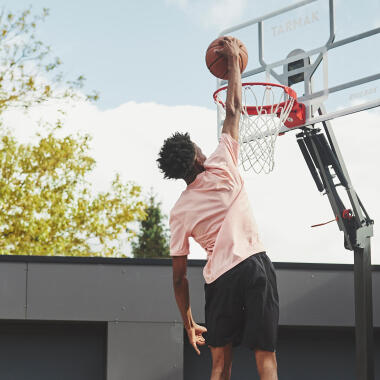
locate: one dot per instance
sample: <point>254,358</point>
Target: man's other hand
<point>195,336</point>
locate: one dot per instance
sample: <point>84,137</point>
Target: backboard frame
<point>312,100</point>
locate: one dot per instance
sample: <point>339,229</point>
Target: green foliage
<point>152,238</point>
<point>46,205</point>
<point>29,73</point>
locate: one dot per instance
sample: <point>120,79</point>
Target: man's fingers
<point>200,341</point>
<point>196,348</point>
<point>196,338</point>
<point>195,344</point>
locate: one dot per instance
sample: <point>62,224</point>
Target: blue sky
<point>153,50</point>
<point>146,58</point>
<point>130,50</point>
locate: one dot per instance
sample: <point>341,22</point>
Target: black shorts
<point>242,305</point>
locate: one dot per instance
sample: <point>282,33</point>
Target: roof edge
<point>162,262</point>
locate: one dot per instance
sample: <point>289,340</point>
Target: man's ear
<point>196,159</point>
<point>198,162</point>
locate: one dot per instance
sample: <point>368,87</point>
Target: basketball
<point>217,63</point>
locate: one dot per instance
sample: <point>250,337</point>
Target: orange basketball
<point>217,64</point>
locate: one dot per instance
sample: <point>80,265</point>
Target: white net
<point>265,108</point>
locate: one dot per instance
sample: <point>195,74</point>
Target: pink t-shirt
<point>214,210</point>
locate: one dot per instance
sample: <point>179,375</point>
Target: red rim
<point>297,113</point>
<point>287,90</point>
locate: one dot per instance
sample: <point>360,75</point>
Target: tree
<point>47,206</point>
<point>29,73</point>
<point>152,239</point>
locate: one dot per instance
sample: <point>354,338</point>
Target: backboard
<point>325,50</point>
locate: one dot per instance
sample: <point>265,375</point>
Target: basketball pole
<point>322,157</point>
<point>361,246</point>
<point>363,312</point>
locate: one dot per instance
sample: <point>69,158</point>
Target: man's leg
<point>266,364</point>
<point>221,362</point>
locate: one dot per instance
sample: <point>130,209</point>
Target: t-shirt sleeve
<point>179,237</point>
<point>232,147</point>
<point>225,158</point>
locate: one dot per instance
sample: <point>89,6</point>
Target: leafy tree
<point>47,206</point>
<point>152,238</point>
<point>29,73</point>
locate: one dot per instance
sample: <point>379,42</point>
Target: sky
<point>146,59</point>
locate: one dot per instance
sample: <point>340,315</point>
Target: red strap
<point>322,224</point>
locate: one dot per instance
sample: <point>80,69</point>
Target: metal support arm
<point>327,167</point>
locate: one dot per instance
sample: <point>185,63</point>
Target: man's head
<point>179,157</point>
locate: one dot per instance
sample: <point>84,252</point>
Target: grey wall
<point>52,350</point>
<point>321,295</point>
<point>13,290</point>
<point>145,351</point>
<point>318,297</point>
<point>135,299</point>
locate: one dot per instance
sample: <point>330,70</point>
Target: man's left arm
<point>182,296</point>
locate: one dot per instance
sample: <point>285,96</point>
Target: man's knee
<point>222,370</point>
<point>265,361</point>
<point>221,361</point>
<point>218,363</point>
<point>223,373</point>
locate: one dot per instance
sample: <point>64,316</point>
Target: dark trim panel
<point>162,262</point>
<point>57,322</point>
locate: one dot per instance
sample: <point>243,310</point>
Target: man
<point>240,290</point>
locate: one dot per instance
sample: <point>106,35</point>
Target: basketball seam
<point>215,61</point>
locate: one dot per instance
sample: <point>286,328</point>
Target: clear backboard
<point>325,50</point>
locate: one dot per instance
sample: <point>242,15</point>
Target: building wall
<point>135,298</point>
<point>45,350</point>
<point>143,350</point>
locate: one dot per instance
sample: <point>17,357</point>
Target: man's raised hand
<point>230,47</point>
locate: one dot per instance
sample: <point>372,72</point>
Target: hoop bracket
<point>295,118</point>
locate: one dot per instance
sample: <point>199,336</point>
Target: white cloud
<point>286,203</point>
<point>213,13</point>
<point>226,12</point>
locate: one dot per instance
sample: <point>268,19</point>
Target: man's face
<point>199,156</point>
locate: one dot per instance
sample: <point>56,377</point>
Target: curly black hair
<point>176,157</point>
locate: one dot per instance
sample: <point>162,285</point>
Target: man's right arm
<point>231,51</point>
<point>182,296</point>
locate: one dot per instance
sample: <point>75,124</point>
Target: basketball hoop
<point>265,108</point>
